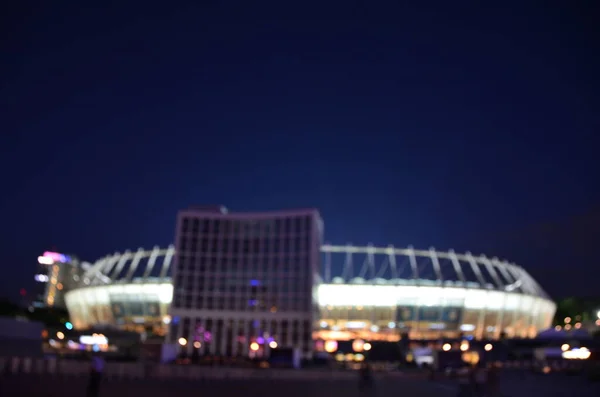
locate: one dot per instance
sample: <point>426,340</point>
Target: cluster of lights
<point>254,346</point>
<point>94,339</point>
<point>464,346</point>
<point>358,345</point>
<point>50,258</point>
<point>581,353</point>
<point>53,286</point>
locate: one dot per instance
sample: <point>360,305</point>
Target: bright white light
<point>355,324</point>
<point>167,319</point>
<point>273,344</point>
<point>182,341</point>
<point>464,346</point>
<point>331,346</point>
<point>446,347</point>
<point>60,335</point>
<point>41,278</point>
<point>95,339</point>
<point>565,347</point>
<point>567,320</point>
<point>598,314</point>
<point>358,345</point>
<point>323,324</point>
<point>577,354</point>
<point>44,260</point>
<point>197,344</point>
<point>367,347</point>
<point>254,346</point>
<point>374,328</point>
<point>467,327</point>
<point>488,347</point>
<point>391,324</point>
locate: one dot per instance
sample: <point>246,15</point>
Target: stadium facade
<point>280,291</point>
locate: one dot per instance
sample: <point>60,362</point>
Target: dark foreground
<point>513,385</point>
<point>49,387</point>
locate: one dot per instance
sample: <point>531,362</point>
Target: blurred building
<point>241,283</point>
<point>57,273</point>
<point>241,279</point>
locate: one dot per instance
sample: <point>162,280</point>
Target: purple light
<point>254,283</point>
<point>252,302</point>
<point>56,257</point>
<point>256,323</point>
<point>260,340</point>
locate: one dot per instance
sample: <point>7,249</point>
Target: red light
<point>23,292</point>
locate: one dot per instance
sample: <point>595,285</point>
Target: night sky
<point>452,124</point>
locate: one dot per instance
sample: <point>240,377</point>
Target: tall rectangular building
<point>243,282</point>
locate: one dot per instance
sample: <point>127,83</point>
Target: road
<point>57,387</point>
<point>513,385</point>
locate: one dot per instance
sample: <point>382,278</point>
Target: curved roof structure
<point>347,264</point>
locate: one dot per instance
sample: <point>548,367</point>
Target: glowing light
<point>323,324</point>
<point>182,341</point>
<point>197,345</point>
<point>56,257</point>
<point>60,335</point>
<point>446,347</point>
<point>467,327</point>
<point>558,328</point>
<point>166,320</point>
<point>95,339</point>
<point>565,347</point>
<point>567,327</point>
<point>42,260</point>
<point>254,346</point>
<point>331,346</point>
<point>273,344</point>
<point>577,354</point>
<point>488,347</point>
<point>41,278</point>
<point>358,345</point>
<point>391,325</point>
<point>464,346</point>
<point>355,324</point>
<point>598,322</point>
<point>598,314</point>
<point>359,357</point>
<point>567,320</point>
<point>367,347</point>
<point>68,325</point>
<point>577,325</point>
<point>471,357</point>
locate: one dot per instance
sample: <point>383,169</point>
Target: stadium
<point>363,292</point>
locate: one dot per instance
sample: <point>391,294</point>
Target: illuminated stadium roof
<point>347,265</point>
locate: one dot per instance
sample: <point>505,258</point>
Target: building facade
<point>57,274</point>
<point>244,283</point>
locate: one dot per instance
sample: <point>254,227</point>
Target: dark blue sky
<point>449,125</point>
